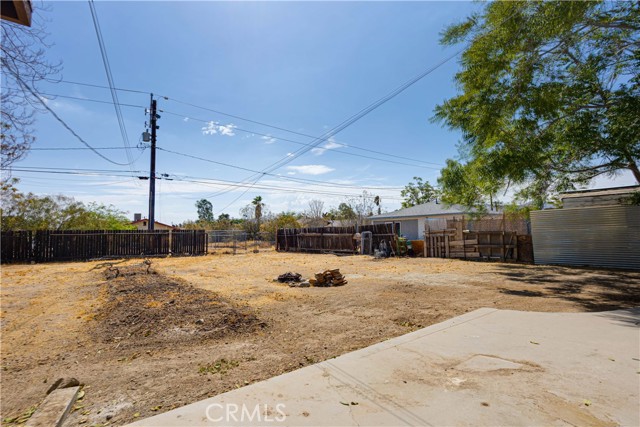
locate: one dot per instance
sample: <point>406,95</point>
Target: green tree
<point>205,211</point>
<point>418,192</point>
<point>550,98</point>
<point>32,212</point>
<point>346,212</point>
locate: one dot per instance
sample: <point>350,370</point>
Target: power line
<point>114,93</point>
<point>275,137</point>
<point>362,113</point>
<point>355,147</point>
<point>300,180</point>
<point>96,86</point>
<point>90,100</point>
<point>77,148</point>
<point>307,144</point>
<point>181,178</point>
<point>59,119</point>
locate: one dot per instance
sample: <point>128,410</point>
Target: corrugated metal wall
<point>604,236</point>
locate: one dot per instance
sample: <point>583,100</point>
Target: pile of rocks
<point>328,278</point>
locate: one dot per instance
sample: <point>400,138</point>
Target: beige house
<point>143,224</point>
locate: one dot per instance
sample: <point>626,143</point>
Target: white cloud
<point>186,119</point>
<point>213,128</point>
<point>329,145</point>
<point>311,169</point>
<point>268,139</point>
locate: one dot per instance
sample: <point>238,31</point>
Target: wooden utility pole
<point>152,170</point>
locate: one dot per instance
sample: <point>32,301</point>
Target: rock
<point>304,284</point>
<point>199,321</point>
<point>55,385</point>
<point>109,416</point>
<point>63,383</point>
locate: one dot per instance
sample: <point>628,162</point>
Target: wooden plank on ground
<point>55,408</point>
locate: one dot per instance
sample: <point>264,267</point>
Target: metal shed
<point>601,236</point>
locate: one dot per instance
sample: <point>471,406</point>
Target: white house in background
<point>410,222</point>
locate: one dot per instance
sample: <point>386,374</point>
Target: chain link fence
<point>239,241</point>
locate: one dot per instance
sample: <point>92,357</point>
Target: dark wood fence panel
<point>72,245</point>
<point>330,239</point>
<point>16,246</point>
<point>188,242</point>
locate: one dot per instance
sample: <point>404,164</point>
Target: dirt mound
<point>143,306</point>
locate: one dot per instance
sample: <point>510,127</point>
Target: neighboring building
<point>411,222</point>
<point>143,224</point>
<point>597,197</point>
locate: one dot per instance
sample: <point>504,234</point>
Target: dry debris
<point>144,307</point>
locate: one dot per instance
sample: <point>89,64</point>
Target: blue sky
<point>300,66</point>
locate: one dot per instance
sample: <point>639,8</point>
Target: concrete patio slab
<point>487,367</point>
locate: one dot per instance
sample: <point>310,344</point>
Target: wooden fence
<point>68,245</point>
<point>331,239</point>
<point>502,245</point>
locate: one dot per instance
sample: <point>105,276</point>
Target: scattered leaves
<point>219,367</point>
<point>22,418</point>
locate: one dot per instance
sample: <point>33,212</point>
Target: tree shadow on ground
<point>630,317</point>
<point>593,289</point>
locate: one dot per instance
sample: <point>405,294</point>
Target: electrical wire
<point>178,178</point>
<point>286,178</point>
<point>307,144</point>
<point>334,150</point>
<point>114,93</point>
<point>77,148</point>
<point>90,100</point>
<point>59,119</point>
<point>362,113</point>
<point>345,145</point>
<point>96,86</point>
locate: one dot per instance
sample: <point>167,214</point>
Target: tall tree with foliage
<point>32,212</point>
<point>418,192</point>
<point>550,98</point>
<point>205,211</point>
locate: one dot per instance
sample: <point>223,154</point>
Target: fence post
<point>233,234</point>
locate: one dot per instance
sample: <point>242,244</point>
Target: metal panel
<point>603,236</point>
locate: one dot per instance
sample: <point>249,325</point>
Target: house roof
<point>600,192</point>
<point>423,210</point>
<point>155,222</point>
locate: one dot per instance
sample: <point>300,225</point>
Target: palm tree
<point>257,202</point>
<point>376,200</point>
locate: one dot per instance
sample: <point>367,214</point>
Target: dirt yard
<point>146,343</point>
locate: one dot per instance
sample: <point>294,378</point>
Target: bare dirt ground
<point>144,344</point>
